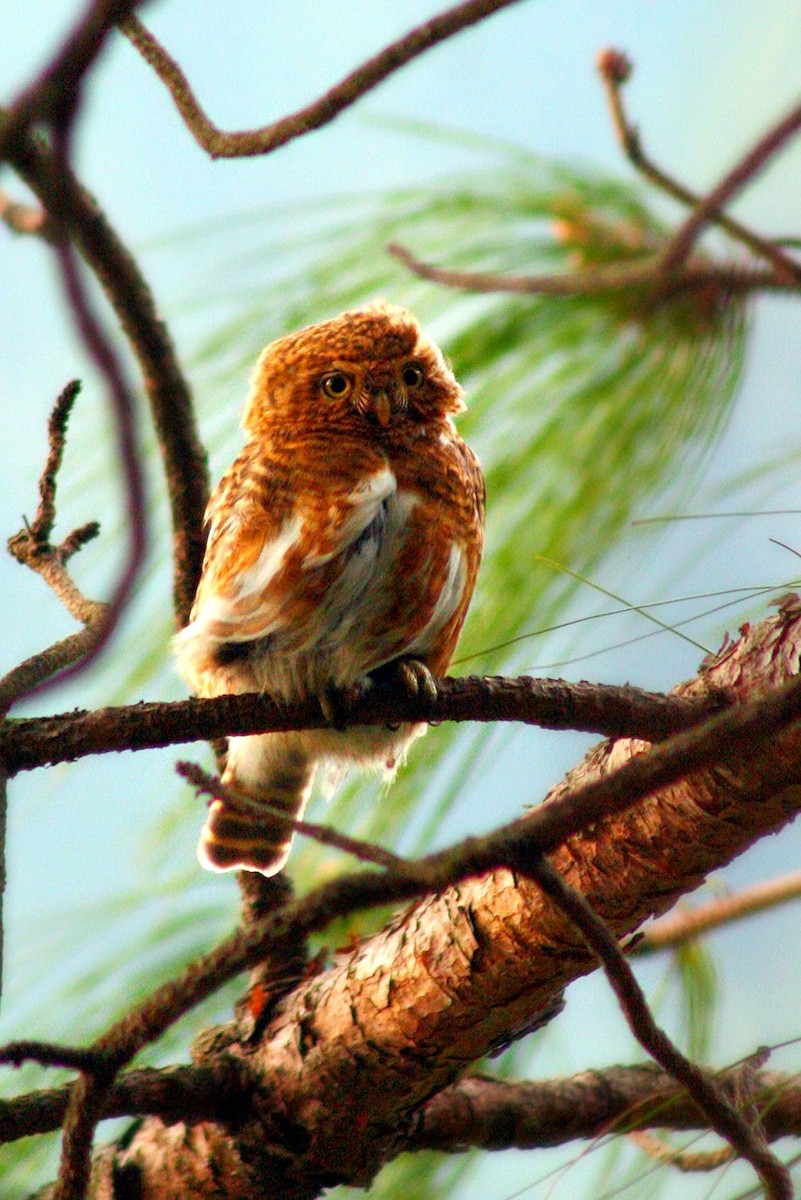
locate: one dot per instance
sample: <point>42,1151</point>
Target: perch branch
<point>542,830</point>
<point>551,703</point>
<point>237,144</point>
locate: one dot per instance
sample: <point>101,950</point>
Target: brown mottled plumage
<point>345,537</point>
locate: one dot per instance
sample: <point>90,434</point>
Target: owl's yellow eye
<point>337,385</point>
<point>412,375</point>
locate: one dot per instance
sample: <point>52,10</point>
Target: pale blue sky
<point>709,76</point>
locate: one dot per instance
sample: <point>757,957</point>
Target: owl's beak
<point>382,409</point>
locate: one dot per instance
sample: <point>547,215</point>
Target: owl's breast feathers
<point>326,560</point>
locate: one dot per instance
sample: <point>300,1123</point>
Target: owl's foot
<point>413,675</point>
<point>338,703</point>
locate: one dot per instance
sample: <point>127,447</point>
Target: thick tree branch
<point>246,143</point>
<point>475,961</point>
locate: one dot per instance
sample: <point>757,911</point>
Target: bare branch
<point>102,351</point>
<point>246,143</point>
<point>723,1117</point>
<point>119,275</point>
<point>551,703</point>
<point>53,95</point>
<point>221,1091</point>
<point>47,1054</point>
<point>615,70</point>
<point>540,831</point>
<point>32,547</point>
<point>646,274</point>
<point>742,173</point>
<point>685,924</point>
<point>494,1114</point>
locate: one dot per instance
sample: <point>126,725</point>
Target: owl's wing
<point>275,555</point>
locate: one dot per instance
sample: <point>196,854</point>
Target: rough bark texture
<point>352,1053</point>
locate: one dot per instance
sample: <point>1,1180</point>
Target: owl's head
<point>372,368</point>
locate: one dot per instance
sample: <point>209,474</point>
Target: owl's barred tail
<point>273,768</point>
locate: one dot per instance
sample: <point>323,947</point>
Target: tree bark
<point>353,1053</point>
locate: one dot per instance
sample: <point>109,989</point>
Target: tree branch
<point>551,703</point>
<point>472,962</point>
<point>246,143</point>
<point>648,275</point>
<point>54,94</point>
<point>723,1117</point>
<point>493,1114</point>
<point>743,172</point>
<point>686,924</point>
<point>615,70</point>
<point>170,402</point>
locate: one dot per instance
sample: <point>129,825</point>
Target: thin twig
<point>550,703</point>
<point>722,1116</point>
<point>684,924</point>
<point>646,274</point>
<point>101,350</point>
<point>32,547</point>
<point>237,144</point>
<point>615,70</point>
<point>743,172</point>
<point>118,273</point>
<point>326,835</point>
<point>41,528</point>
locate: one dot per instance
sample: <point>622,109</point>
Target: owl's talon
<point>338,704</point>
<point>414,676</point>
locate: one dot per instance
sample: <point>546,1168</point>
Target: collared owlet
<point>344,541</point>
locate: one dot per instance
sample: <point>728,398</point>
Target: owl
<point>343,546</point>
